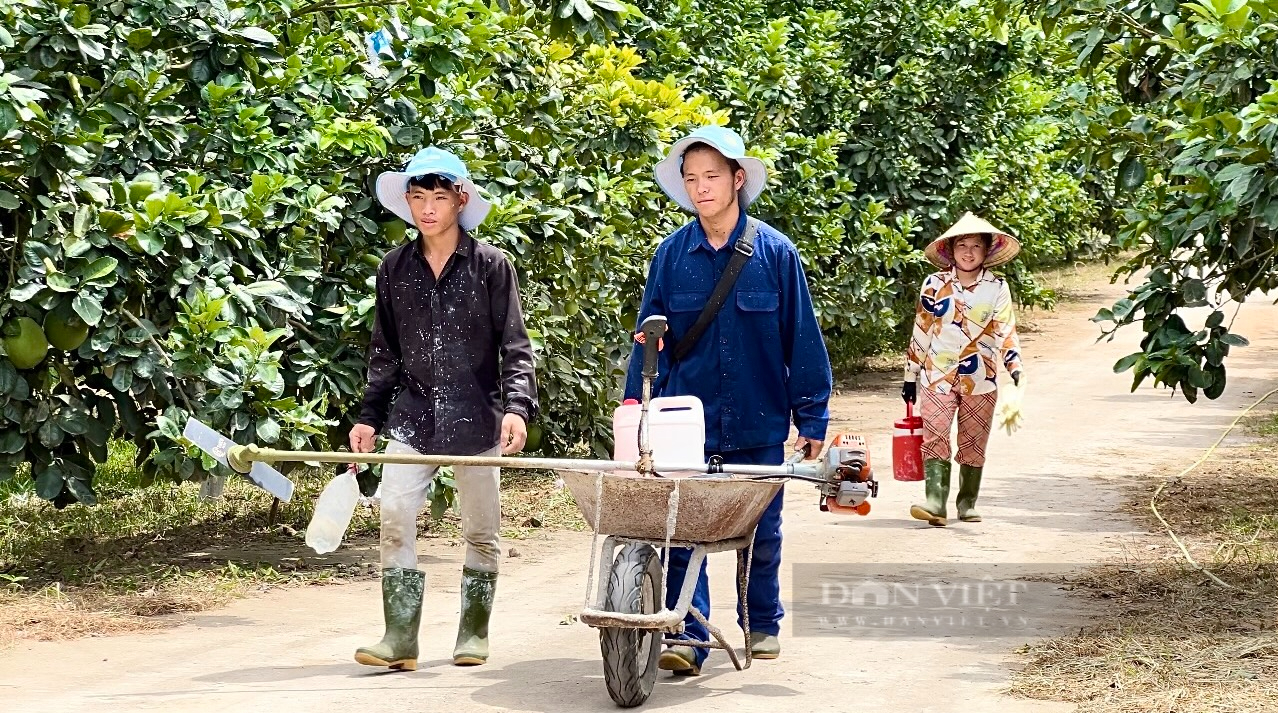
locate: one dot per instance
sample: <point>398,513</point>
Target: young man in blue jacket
<point>760,365</point>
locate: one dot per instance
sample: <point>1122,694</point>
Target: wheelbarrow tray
<point>638,507</point>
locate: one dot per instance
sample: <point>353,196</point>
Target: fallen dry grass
<point>533,500</point>
<point>1176,641</point>
<point>55,613</point>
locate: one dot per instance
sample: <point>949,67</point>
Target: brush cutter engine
<point>849,479</point>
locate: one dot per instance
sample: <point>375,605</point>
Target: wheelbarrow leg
<point>718,636</point>
<point>743,593</point>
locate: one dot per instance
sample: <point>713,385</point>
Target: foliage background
<point>192,179</point>
<point>1179,100</point>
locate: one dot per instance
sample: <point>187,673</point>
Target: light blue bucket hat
<point>393,185</point>
<point>669,171</point>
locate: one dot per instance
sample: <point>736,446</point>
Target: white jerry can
<point>676,430</point>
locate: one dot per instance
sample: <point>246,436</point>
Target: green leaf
<point>114,222</point>
<point>1131,173</point>
<point>25,293</point>
<point>1232,171</point>
<point>1218,381</point>
<point>1123,308</point>
<point>49,482</point>
<point>150,243</point>
<point>221,377</point>
<point>8,376</point>
<point>1199,378</point>
<point>144,367</point>
<point>1234,340</point>
<point>140,37</point>
<point>1127,362</point>
<point>98,269</point>
<point>51,435</point>
<point>8,201</point>
<point>82,491</point>
<point>60,282</point>
<point>83,221</point>
<point>1241,185</point>
<point>268,430</point>
<point>257,34</point>
<point>1216,319</point>
<point>88,307</point>
<point>1195,292</point>
<point>168,428</point>
<point>12,441</point>
<point>267,288</point>
<point>122,380</point>
<point>74,421</point>
<point>96,439</point>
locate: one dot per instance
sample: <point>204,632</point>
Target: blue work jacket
<point>762,363</point>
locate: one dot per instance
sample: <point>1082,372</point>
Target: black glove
<point>909,392</point>
<point>1016,377</point>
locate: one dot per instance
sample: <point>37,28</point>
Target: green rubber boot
<point>680,660</point>
<point>937,488</point>
<point>402,591</point>
<point>764,646</point>
<point>969,487</point>
<point>477,589</point>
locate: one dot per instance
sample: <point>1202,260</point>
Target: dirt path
<point>1047,503</point>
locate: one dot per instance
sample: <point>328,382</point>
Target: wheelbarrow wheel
<point>630,655</point>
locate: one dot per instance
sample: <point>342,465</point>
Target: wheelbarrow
<point>636,506</point>
<point>640,517</point>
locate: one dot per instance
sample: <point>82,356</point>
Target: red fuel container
<point>907,446</point>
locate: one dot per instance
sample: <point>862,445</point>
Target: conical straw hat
<point>1003,249</point>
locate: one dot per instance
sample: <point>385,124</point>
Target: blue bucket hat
<point>393,185</point>
<point>669,171</point>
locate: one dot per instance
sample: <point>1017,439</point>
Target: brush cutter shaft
<point>243,456</point>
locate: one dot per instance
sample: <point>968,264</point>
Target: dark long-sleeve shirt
<point>448,358</point>
<point>762,363</point>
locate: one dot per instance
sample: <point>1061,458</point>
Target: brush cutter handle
<point>800,454</point>
<point>653,328</point>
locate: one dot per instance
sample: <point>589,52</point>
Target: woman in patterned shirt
<point>964,328</point>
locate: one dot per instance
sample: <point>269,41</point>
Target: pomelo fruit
<point>25,342</point>
<point>395,231</point>
<point>534,438</point>
<point>65,329</point>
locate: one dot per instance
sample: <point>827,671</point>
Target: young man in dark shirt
<point>450,372</point>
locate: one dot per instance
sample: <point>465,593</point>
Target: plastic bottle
<point>333,513</point>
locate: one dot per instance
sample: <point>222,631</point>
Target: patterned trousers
<point>975,420</point>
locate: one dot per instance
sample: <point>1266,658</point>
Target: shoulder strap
<point>744,250</point>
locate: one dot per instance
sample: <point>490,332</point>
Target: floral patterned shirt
<point>961,335</point>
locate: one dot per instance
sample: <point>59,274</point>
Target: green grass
<point>137,533</point>
<point>1268,426</point>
